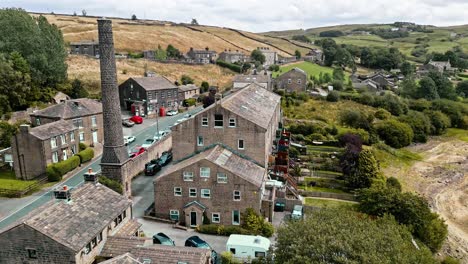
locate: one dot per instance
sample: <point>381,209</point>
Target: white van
<point>246,248</point>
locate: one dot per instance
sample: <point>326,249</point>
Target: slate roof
<point>142,248</point>
<point>126,258</point>
<point>225,159</point>
<point>154,83</point>
<point>85,42</point>
<point>53,129</point>
<point>129,228</point>
<point>71,109</point>
<point>188,87</point>
<point>253,103</point>
<point>74,224</point>
<point>260,78</point>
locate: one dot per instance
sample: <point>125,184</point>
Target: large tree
<point>340,236</point>
<point>258,56</point>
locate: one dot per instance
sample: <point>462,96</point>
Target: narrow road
<point>141,132</point>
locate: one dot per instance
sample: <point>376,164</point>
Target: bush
<point>363,134</point>
<point>439,122</point>
<point>232,67</point>
<point>111,184</point>
<point>394,133</point>
<point>333,96</point>
<point>215,229</point>
<point>189,102</point>
<point>52,174</point>
<point>450,260</point>
<point>82,146</point>
<point>382,114</point>
<point>331,34</point>
<point>228,258</point>
<point>85,155</point>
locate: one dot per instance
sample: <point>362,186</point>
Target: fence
<point>339,196</point>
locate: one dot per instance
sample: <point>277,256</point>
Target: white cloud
<point>265,15</point>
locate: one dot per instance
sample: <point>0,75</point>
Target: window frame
<point>193,194</point>
<point>177,191</point>
<point>53,142</point>
<point>203,193</point>
<point>205,121</point>
<point>234,195</point>
<point>203,175</point>
<point>174,212</point>
<point>32,253</point>
<point>93,121</point>
<point>238,217</point>
<point>185,176</point>
<point>218,178</point>
<point>219,125</point>
<point>200,141</point>
<point>63,139</point>
<point>213,218</point>
<point>239,144</point>
<point>81,136</point>
<point>56,159</point>
<point>64,154</point>
<point>72,136</point>
<point>232,122</point>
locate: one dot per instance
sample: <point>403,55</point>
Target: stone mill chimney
<point>114,154</point>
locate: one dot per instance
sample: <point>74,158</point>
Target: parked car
<point>163,239</point>
<point>137,150</point>
<point>187,116</point>
<point>196,241</point>
<point>148,142</point>
<point>161,134</point>
<point>165,158</point>
<point>152,168</point>
<point>297,212</point>
<point>127,123</point>
<point>136,119</point>
<point>129,140</point>
<point>172,112</point>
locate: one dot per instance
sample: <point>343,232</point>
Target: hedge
<point>223,230</point>
<point>82,146</point>
<point>85,155</point>
<point>57,170</point>
<point>230,66</point>
<point>114,185</point>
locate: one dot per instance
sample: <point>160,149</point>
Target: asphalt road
<point>141,132</point>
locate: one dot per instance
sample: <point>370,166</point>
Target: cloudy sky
<point>264,15</point>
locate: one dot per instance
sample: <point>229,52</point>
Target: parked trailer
<point>246,248</point>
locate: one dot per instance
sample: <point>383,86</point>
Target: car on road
<point>165,158</point>
<point>137,150</point>
<point>148,142</point>
<point>129,140</point>
<point>187,116</point>
<point>163,239</point>
<point>161,134</point>
<point>136,119</point>
<point>196,241</point>
<point>127,123</point>
<point>152,167</point>
<point>172,112</point>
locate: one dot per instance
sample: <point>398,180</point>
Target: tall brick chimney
<point>114,155</point>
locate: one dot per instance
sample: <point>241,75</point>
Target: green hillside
<point>312,69</point>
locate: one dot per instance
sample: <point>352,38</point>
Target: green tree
<point>15,83</point>
<point>462,88</point>
<point>204,87</point>
<point>365,172</point>
<point>409,88</point>
<point>255,223</point>
<point>185,79</point>
<point>78,91</point>
<point>194,22</point>
<point>257,56</point>
<point>172,52</point>
<point>298,54</point>
<point>160,54</point>
<point>338,74</point>
<point>327,77</point>
<point>439,122</point>
<point>394,133</point>
<point>340,236</point>
<point>427,89</point>
<point>419,123</point>
<point>355,119</point>
<point>333,96</point>
<point>445,88</point>
<point>407,68</point>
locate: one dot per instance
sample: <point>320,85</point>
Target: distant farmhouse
<point>295,80</point>
<point>241,81</point>
<point>72,228</point>
<point>438,66</point>
<point>271,56</point>
<point>233,56</point>
<point>86,115</point>
<point>144,95</point>
<point>314,55</point>
<point>86,47</point>
<point>376,82</point>
<point>202,56</point>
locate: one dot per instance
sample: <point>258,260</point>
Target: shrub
<point>450,260</point>
<point>394,133</point>
<point>364,135</point>
<point>189,102</point>
<point>228,258</point>
<point>82,146</point>
<point>382,114</point>
<point>232,67</point>
<point>85,155</point>
<point>112,184</point>
<point>439,122</point>
<point>65,166</point>
<point>333,96</point>
<point>52,174</point>
<point>254,223</point>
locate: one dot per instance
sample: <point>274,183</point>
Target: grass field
<point>312,69</point>
<point>460,134</point>
<point>318,202</point>
<point>8,181</point>
<point>388,156</point>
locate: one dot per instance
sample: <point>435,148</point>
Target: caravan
<point>246,248</point>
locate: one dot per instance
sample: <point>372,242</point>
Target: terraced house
<point>86,115</point>
<point>35,148</point>
<point>72,228</point>
<point>222,156</point>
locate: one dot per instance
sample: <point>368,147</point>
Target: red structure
<point>280,168</point>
